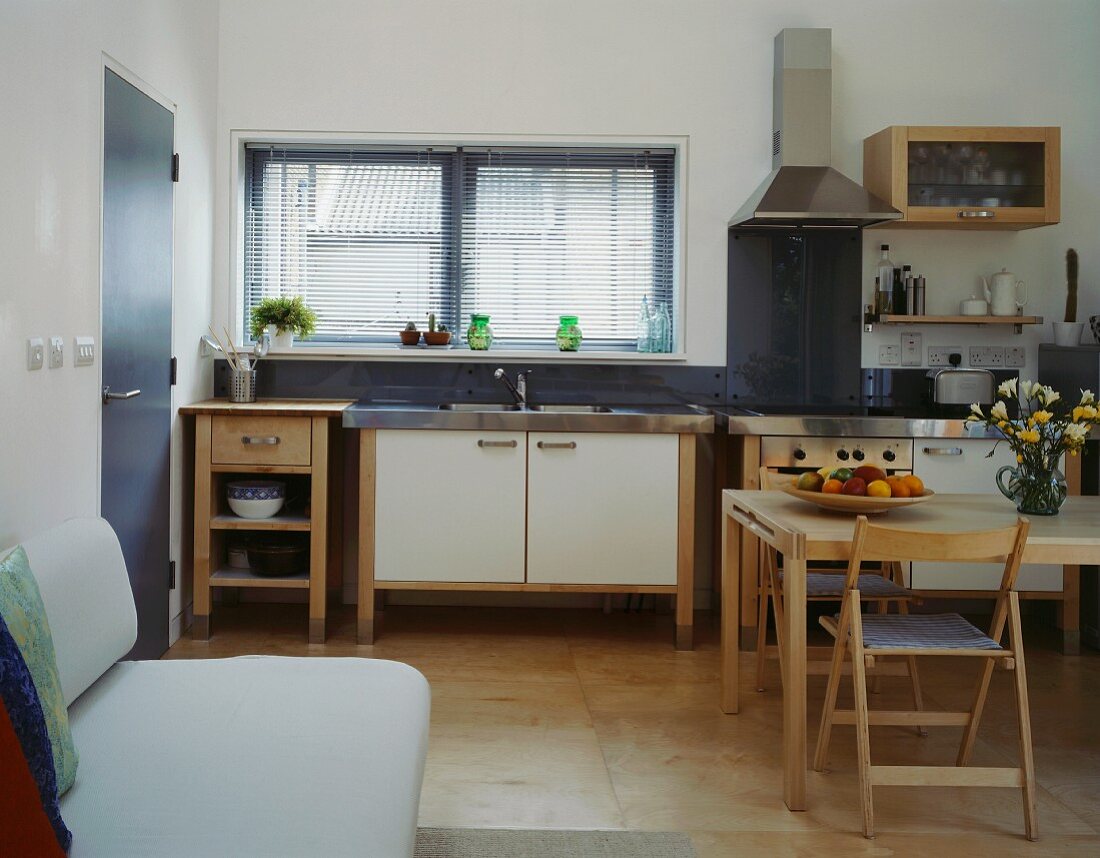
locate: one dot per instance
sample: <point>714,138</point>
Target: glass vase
<point>479,335</point>
<point>1035,491</point>
<point>568,336</point>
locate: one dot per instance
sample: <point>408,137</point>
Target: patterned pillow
<point>30,818</point>
<point>25,616</point>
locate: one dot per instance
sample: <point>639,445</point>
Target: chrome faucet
<point>519,389</point>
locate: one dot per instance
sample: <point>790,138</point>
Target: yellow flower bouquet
<point>1046,429</point>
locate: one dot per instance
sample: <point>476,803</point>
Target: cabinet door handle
<point>270,440</point>
<point>986,213</point>
<point>943,451</point>
<point>481,442</point>
<point>557,445</point>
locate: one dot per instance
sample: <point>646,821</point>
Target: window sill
<point>461,353</point>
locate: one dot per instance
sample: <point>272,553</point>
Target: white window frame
<point>239,139</point>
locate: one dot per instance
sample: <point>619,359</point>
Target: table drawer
<point>260,441</point>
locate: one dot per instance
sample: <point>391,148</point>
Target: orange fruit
<point>878,489</point>
<point>898,488</point>
<point>832,487</point>
<point>915,484</point>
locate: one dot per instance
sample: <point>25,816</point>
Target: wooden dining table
<point>802,532</point>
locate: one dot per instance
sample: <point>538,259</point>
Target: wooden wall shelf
<point>871,319</point>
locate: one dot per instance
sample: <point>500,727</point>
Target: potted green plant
<point>436,336</point>
<point>284,317</point>
<point>1068,332</point>
<point>410,336</point>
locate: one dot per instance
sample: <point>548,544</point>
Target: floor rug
<point>523,843</point>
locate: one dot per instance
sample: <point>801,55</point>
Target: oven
<point>793,455</point>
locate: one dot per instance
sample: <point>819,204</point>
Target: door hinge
<point>175,166</point>
<point>172,372</point>
<point>171,574</point>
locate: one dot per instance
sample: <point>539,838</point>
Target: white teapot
<point>1006,295</point>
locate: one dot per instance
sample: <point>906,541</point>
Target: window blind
<point>547,233</point>
<point>365,236</point>
<point>373,239</point>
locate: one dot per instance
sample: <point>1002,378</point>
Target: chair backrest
<point>880,542</point>
<point>82,577</point>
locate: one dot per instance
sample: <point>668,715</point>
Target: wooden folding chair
<point>823,584</point>
<point>868,638</point>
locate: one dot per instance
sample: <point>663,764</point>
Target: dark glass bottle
<point>899,293</point>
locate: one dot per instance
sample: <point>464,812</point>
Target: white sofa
<point>250,756</point>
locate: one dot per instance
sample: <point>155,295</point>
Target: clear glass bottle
<point>479,335</point>
<point>569,335</point>
<point>645,327</point>
<point>884,298</point>
<point>662,330</point>
<point>885,273</point>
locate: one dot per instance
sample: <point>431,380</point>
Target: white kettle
<point>1006,295</point>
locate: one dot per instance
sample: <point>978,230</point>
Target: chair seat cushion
<point>824,585</point>
<point>923,631</point>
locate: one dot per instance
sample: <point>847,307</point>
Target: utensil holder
<point>242,385</point>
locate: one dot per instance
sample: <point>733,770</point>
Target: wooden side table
<point>290,437</point>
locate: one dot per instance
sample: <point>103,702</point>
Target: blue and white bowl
<point>256,498</point>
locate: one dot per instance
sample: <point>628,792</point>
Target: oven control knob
<point>842,454</point>
<point>888,455</point>
<point>857,455</point>
<point>800,454</point>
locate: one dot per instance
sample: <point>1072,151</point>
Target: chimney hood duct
<point>802,189</point>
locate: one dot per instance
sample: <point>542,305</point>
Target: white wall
<point>695,68</point>
<point>51,64</point>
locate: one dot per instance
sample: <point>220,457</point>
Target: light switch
<point>57,352</point>
<point>36,353</point>
<point>83,351</point>
<point>911,351</point>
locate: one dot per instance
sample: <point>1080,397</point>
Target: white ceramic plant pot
<point>284,340</point>
<point>1068,333</point>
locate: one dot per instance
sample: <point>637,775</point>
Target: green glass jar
<point>479,335</point>
<point>569,336</point>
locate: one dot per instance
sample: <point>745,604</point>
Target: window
<point>373,238</point>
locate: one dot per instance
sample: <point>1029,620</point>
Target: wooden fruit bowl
<point>855,504</point>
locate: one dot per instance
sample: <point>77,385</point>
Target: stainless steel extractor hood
<point>802,189</point>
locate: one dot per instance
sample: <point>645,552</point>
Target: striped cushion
<point>824,584</point>
<point>923,631</point>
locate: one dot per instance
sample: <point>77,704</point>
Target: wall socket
<point>911,351</point>
<point>83,351</point>
<point>889,355</point>
<point>1015,356</point>
<point>987,356</point>
<point>938,355</point>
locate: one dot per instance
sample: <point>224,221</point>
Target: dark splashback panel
<point>455,381</point>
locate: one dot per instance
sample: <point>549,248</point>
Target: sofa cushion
<point>82,577</point>
<point>30,819</point>
<point>257,755</point>
<point>23,612</point>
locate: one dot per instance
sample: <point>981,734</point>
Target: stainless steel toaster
<point>956,386</point>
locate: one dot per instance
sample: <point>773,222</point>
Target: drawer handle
<point>483,443</point>
<point>557,445</point>
<point>943,451</point>
<point>268,440</point>
<point>986,213</point>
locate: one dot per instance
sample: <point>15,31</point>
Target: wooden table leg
<point>1069,610</point>
<point>794,685</point>
<point>685,546</point>
<point>365,607</point>
<point>730,673</point>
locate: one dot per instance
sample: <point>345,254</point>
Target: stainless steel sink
<point>571,409</point>
<point>478,406</point>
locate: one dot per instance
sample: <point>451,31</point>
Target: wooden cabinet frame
<point>886,174</point>
<point>370,589</point>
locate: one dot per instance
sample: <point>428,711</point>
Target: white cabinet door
<point>602,508</point>
<point>960,465</point>
<point>450,505</point>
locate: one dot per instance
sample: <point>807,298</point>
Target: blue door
<point>136,344</point>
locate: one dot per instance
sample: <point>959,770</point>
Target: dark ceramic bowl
<point>276,558</point>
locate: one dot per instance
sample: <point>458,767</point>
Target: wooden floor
<point>575,719</point>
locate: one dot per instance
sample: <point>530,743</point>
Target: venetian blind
<point>584,232</point>
<point>364,235</point>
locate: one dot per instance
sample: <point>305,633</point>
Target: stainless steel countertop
<point>677,419</point>
<point>835,426</point>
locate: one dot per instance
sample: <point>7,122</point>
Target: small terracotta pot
<point>437,338</point>
<point>410,338</point>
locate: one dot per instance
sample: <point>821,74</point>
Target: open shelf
<point>289,522</point>
<point>1017,322</point>
<point>228,577</point>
